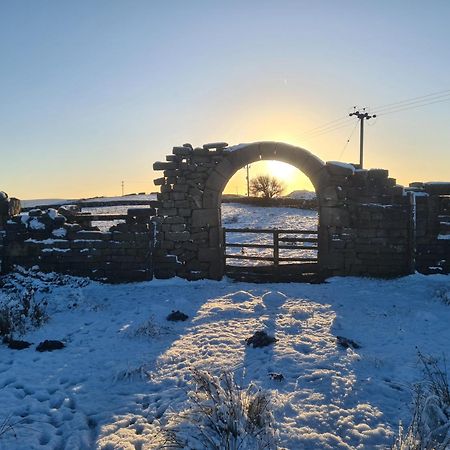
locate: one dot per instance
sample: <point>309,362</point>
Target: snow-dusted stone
<point>437,187</point>
<point>177,316</point>
<point>340,168</point>
<point>260,339</point>
<point>215,145</point>
<point>49,346</point>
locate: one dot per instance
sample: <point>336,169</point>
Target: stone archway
<point>190,200</point>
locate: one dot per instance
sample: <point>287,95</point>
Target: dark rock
<point>347,343</point>
<point>260,339</point>
<point>49,346</point>
<point>276,376</point>
<point>177,316</point>
<point>35,212</point>
<point>18,345</point>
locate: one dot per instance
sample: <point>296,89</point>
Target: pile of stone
<point>38,224</point>
<point>187,221</point>
<point>8,207</point>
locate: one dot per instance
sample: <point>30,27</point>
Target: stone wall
<point>367,223</point>
<point>189,242</point>
<point>2,252</point>
<point>432,227</point>
<point>47,240</point>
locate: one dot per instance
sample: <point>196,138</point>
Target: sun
<point>281,170</point>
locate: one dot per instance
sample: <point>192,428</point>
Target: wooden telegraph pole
<point>361,115</point>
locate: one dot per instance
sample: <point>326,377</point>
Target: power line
<point>414,99</point>
<point>328,130</point>
<point>325,125</point>
<point>347,141</point>
<point>413,106</point>
<point>413,103</point>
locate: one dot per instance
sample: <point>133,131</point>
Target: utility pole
<point>361,115</point>
<point>123,186</point>
<point>248,180</point>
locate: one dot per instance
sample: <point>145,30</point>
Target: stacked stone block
<point>188,225</point>
<point>432,227</point>
<point>368,221</point>
<point>47,240</point>
<point>2,252</point>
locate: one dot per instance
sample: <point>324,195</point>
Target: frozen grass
<point>430,424</point>
<point>20,310</point>
<point>224,416</point>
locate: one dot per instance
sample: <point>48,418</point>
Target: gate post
<point>276,248</point>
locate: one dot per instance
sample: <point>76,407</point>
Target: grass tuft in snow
<point>132,373</point>
<point>430,424</point>
<point>19,311</point>
<point>223,416</point>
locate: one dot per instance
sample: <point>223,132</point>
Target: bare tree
<point>266,186</point>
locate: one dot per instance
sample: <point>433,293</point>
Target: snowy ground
<point>124,365</point>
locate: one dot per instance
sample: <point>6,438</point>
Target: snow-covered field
<point>125,369</point>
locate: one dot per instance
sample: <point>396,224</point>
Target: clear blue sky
<point>93,92</point>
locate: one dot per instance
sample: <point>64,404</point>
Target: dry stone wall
<point>190,238</point>
<point>2,252</point>
<point>432,237</point>
<point>45,239</point>
<point>369,230</point>
<point>367,223</point>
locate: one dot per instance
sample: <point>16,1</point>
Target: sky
<point>93,92</point>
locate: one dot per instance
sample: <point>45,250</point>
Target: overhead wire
<point>389,108</point>
<point>328,130</point>
<point>407,107</point>
<point>348,141</point>
<point>329,124</point>
<point>413,100</point>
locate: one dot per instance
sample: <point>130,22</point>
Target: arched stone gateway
<point>365,220</point>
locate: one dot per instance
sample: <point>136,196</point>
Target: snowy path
<point>125,366</point>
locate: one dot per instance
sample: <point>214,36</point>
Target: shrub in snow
<point>149,329</point>
<point>223,416</point>
<point>131,373</point>
<point>20,310</point>
<point>430,425</point>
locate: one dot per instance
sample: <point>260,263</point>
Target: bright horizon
<point>94,92</point>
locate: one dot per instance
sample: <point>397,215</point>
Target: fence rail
<point>97,217</point>
<point>277,238</point>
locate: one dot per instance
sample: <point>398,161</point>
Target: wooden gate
<point>277,255</point>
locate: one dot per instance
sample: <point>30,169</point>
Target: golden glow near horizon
<point>292,178</point>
